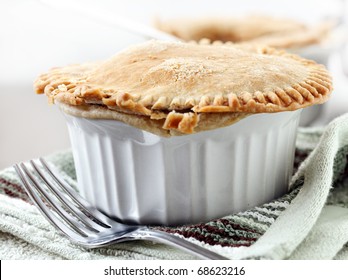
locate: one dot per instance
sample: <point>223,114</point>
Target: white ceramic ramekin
<point>142,178</point>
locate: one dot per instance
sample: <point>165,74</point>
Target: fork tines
<point>58,201</point>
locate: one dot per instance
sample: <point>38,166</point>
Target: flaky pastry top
<point>182,87</point>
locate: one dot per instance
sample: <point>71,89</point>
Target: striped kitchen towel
<point>309,222</point>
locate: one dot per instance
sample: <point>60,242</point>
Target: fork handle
<point>177,242</point>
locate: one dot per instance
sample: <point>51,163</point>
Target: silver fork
<point>84,224</point>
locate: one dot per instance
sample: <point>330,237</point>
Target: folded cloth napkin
<point>309,222</point>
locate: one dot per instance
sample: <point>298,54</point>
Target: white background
<point>35,37</point>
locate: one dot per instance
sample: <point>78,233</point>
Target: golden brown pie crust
<point>260,29</point>
<point>180,88</point>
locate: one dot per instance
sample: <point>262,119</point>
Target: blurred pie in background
<point>261,29</point>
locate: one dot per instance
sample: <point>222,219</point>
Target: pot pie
<point>256,29</point>
<point>118,110</point>
<point>175,88</point>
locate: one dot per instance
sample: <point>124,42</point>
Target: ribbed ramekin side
<point>82,160</point>
<point>248,169</point>
<point>138,177</point>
